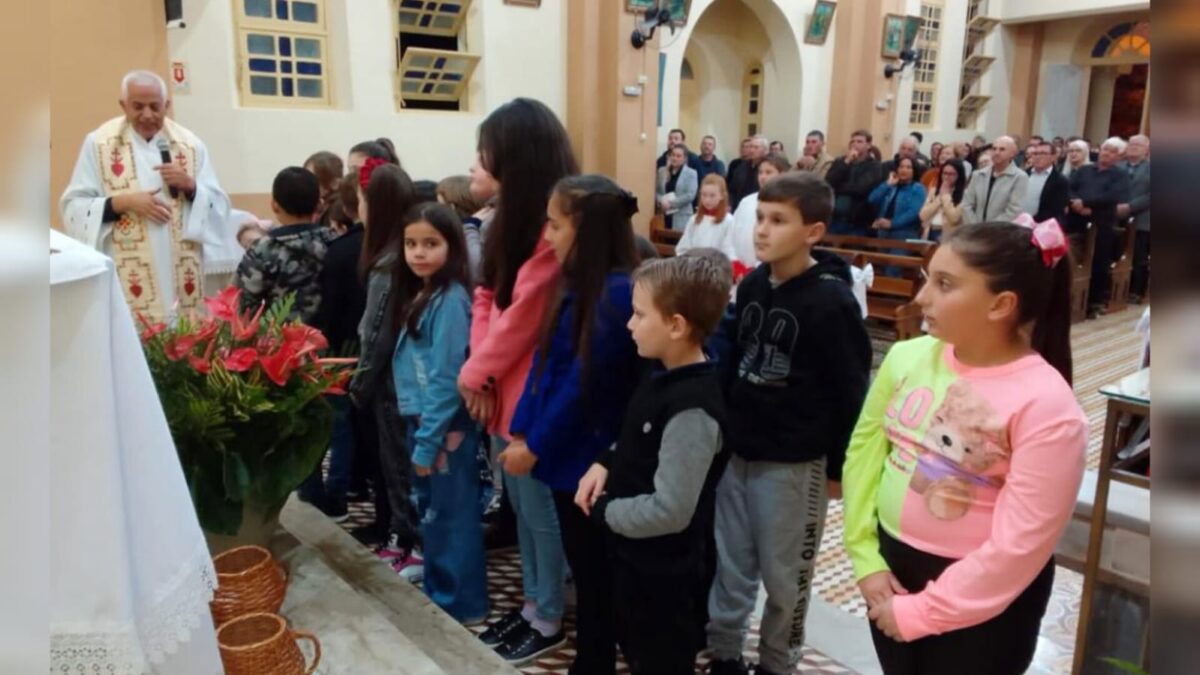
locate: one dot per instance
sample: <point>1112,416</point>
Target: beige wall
<point>612,133</point>
<point>860,81</point>
<point>95,44</point>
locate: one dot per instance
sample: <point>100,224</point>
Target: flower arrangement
<point>244,395</point>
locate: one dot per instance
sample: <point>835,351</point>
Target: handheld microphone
<point>165,149</point>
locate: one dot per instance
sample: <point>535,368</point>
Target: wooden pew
<point>664,239</point>
<point>889,299</point>
<point>1122,270</point>
<point>1083,250</point>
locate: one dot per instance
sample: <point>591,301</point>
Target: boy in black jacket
<point>658,485</point>
<point>802,360</point>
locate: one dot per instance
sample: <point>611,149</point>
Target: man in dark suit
<point>1048,189</point>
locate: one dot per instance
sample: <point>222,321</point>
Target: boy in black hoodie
<point>802,360</point>
<point>659,484</point>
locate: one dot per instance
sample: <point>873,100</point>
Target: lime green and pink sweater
<point>981,465</point>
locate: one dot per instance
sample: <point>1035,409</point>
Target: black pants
<point>1102,263</point>
<point>585,546</point>
<point>656,619</point>
<point>396,466</point>
<point>1001,646</point>
<point>1140,282</point>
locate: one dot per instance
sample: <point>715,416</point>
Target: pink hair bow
<point>1047,236</point>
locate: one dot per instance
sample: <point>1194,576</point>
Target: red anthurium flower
<point>179,347</point>
<point>303,339</point>
<point>224,305</point>
<point>152,329</point>
<point>207,329</point>
<point>241,360</point>
<point>245,326</point>
<point>200,364</point>
<point>279,365</point>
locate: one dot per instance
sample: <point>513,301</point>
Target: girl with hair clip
<point>523,152</point>
<point>582,378</point>
<point>963,469</point>
<point>433,313</point>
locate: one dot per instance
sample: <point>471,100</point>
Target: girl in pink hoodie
<point>523,152</point>
<point>963,469</point>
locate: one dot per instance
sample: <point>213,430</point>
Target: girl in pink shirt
<point>963,469</point>
<point>523,152</point>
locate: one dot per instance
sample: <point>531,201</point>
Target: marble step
<point>439,638</point>
<point>355,638</point>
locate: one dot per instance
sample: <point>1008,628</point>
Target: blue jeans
<point>543,565</point>
<point>341,458</point>
<point>447,502</point>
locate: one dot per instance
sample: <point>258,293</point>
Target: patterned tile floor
<point>1105,350</point>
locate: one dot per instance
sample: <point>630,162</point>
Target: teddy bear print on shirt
<point>965,439</point>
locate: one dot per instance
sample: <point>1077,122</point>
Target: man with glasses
<point>1047,196</point>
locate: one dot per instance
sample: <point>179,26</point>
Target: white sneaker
<point>412,568</point>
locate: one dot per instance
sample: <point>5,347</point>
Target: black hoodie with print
<point>803,362</point>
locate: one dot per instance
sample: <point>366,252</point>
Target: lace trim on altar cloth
<point>177,607</point>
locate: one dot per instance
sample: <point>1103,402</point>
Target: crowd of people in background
<point>916,196</point>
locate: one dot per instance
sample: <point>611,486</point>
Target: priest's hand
<point>174,176</point>
<point>144,204</point>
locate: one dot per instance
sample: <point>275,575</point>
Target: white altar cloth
<point>131,576</point>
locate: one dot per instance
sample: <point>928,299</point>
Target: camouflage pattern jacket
<point>288,260</point>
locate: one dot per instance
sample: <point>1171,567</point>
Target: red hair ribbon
<point>1047,236</point>
<point>368,168</point>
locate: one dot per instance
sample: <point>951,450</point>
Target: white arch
<point>784,69</point>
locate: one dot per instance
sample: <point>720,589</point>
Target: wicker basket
<point>249,580</point>
<point>262,644</point>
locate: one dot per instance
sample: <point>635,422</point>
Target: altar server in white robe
<point>144,192</point>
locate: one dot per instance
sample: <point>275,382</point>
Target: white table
<point>131,576</point>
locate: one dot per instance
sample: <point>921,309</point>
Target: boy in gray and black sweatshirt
<point>798,374</point>
<point>655,491</point>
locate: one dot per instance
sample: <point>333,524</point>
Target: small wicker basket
<point>262,644</point>
<point>249,580</point>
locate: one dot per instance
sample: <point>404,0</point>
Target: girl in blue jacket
<point>583,374</point>
<point>433,311</point>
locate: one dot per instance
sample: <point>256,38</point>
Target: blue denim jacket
<point>426,366</point>
<point>909,200</point>
<point>565,422</point>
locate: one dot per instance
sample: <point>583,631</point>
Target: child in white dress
<point>711,226</point>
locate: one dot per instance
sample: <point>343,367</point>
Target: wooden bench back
<point>663,239</point>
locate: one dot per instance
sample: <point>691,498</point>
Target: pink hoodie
<point>503,341</point>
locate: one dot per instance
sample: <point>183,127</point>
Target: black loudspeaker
<point>174,11</point>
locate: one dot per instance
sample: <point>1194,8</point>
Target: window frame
<point>925,71</point>
<point>245,26</point>
<point>412,53</point>
<point>462,99</point>
<point>453,31</point>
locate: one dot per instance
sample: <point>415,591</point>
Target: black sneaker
<point>529,644</point>
<point>335,509</point>
<point>504,628</point>
<point>370,535</point>
<point>727,667</point>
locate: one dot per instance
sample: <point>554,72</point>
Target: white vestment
<point>203,216</point>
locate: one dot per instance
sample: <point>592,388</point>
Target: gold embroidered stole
<point>131,249</point>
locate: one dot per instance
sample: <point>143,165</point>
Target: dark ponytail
<point>1006,255</point>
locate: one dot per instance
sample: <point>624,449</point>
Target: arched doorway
<point>739,72</point>
<point>1118,95</point>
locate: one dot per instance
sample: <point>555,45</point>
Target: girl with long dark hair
<point>524,150</point>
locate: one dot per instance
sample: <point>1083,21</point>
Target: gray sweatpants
<point>769,521</point>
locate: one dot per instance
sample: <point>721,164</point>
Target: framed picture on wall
<point>640,6</point>
<point>819,22</point>
<point>524,3</point>
<point>679,11</point>
<point>912,26</point>
<point>893,36</point>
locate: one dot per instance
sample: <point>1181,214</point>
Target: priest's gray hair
<point>142,77</point>
<point>1116,143</point>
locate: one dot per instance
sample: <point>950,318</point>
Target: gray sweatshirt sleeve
<point>690,441</point>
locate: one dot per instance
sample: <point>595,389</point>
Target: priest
<point>144,192</point>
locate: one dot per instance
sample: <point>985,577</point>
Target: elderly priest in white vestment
<point>144,193</point>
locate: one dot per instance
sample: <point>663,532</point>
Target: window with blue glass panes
<point>284,50</point>
<point>429,24</point>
